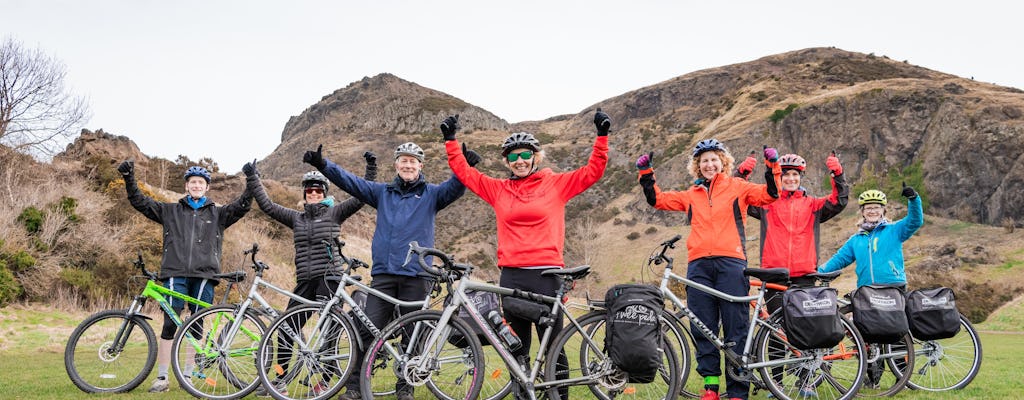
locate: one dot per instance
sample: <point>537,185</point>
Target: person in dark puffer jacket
<point>320,220</point>
<point>193,233</point>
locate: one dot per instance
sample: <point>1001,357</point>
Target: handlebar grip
<point>422,253</point>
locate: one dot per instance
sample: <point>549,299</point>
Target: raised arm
<point>253,184</point>
<point>144,204</point>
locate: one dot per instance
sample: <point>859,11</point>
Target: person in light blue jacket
<point>406,208</point>
<point>877,247</point>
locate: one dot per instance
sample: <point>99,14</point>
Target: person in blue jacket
<point>877,247</point>
<point>406,209</point>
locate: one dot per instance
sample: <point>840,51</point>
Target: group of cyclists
<point>529,205</point>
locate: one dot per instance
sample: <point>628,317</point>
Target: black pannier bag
<point>811,319</point>
<point>879,312</point>
<point>633,335</point>
<point>932,313</point>
<point>484,302</point>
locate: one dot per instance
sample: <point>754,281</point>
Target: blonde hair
<point>727,163</point>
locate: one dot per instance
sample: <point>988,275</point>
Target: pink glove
<point>644,162</point>
<point>832,162</point>
<point>771,158</point>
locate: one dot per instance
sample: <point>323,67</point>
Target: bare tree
<point>37,113</point>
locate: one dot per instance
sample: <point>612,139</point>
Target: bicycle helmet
<point>409,149</point>
<point>314,178</point>
<point>707,145</point>
<point>871,197</point>
<point>519,140</point>
<point>792,161</point>
<point>197,171</point>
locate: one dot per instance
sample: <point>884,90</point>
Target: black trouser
<point>381,312</point>
<point>310,289</point>
<point>531,280</point>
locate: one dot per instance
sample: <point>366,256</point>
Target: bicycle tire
<point>497,379</point>
<point>319,370</point>
<point>689,388</point>
<point>835,373</point>
<point>592,359</point>
<point>947,364</point>
<point>94,369</point>
<point>889,384</point>
<point>222,367</point>
<point>457,372</point>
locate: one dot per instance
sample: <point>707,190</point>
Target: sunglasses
<point>311,190</point>
<point>526,155</point>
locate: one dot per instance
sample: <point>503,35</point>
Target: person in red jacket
<point>717,205</point>
<point>530,210</point>
<point>790,226</point>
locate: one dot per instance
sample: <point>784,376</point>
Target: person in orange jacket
<point>717,206</point>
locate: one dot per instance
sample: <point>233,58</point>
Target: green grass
<point>32,345</point>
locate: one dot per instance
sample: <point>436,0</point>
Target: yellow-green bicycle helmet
<point>871,197</point>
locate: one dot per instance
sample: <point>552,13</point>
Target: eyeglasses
<point>311,190</point>
<point>873,208</point>
<point>525,155</point>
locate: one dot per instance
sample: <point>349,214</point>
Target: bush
<point>32,218</point>
<point>10,289</point>
<point>778,115</point>
<point>77,278</point>
<point>20,261</point>
<point>67,206</point>
<point>650,230</point>
<point>633,236</point>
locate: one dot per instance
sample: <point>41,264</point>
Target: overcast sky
<point>221,78</point>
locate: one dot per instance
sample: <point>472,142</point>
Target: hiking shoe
<point>709,395</point>
<point>321,387</point>
<point>161,384</point>
<point>351,394</point>
<point>405,394</point>
<point>809,391</point>
<point>279,386</point>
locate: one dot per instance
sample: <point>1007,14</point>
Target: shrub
<point>759,95</point>
<point>80,279</point>
<point>67,206</point>
<point>20,261</point>
<point>650,230</point>
<point>32,218</point>
<point>10,289</point>
<point>778,115</point>
<point>633,235</point>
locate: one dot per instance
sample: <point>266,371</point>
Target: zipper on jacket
<point>871,257</point>
<point>191,242</point>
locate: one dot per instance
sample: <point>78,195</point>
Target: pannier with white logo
<point>811,317</point>
<point>879,312</point>
<point>633,335</point>
<point>932,313</point>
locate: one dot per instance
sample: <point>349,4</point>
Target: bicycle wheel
<point>877,383</point>
<point>308,354</point>
<point>497,379</point>
<point>585,357</point>
<point>690,388</point>
<point>213,363</point>
<point>832,373</point>
<point>110,353</point>
<point>401,358</point>
<point>946,364</point>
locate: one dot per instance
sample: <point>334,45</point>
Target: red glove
<point>832,162</point>
<point>747,166</point>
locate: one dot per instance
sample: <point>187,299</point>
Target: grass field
<point>32,345</point>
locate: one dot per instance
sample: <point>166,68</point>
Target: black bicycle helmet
<point>519,140</point>
<point>707,145</point>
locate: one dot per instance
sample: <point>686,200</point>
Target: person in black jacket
<point>193,234</point>
<point>319,221</point>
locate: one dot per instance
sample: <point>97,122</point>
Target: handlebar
<point>446,261</point>
<point>668,244</point>
<point>353,263</point>
<point>141,265</point>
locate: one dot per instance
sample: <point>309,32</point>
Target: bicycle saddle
<point>770,275</point>
<point>569,273</point>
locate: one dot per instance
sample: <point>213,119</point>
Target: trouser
<point>310,289</point>
<point>198,288</point>
<point>531,280</point>
<point>381,312</point>
<point>724,274</point>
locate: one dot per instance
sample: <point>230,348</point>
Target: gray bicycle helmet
<point>707,145</point>
<point>314,178</point>
<point>519,140</point>
<point>409,149</point>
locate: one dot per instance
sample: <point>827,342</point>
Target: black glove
<point>315,158</point>
<point>371,159</point>
<point>126,168</point>
<point>908,192</point>
<point>249,169</point>
<point>472,158</point>
<point>602,122</point>
<point>449,126</point>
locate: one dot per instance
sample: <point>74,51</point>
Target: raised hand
<point>602,122</point>
<point>126,168</point>
<point>249,169</point>
<point>449,126</point>
<point>832,162</point>
<point>908,192</point>
<point>371,159</point>
<point>748,165</point>
<point>645,161</point>
<point>315,158</point>
<point>472,158</point>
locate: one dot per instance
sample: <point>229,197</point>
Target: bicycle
<point>215,349</point>
<point>446,348</point>
<point>113,351</point>
<point>320,354</point>
<point>832,373</point>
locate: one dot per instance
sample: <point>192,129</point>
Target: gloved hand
<point>771,158</point>
<point>748,165</point>
<point>908,192</point>
<point>832,162</point>
<point>371,159</point>
<point>472,158</point>
<point>126,168</point>
<point>249,169</point>
<point>645,161</point>
<point>449,126</point>
<point>602,122</point>
<point>315,158</point>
